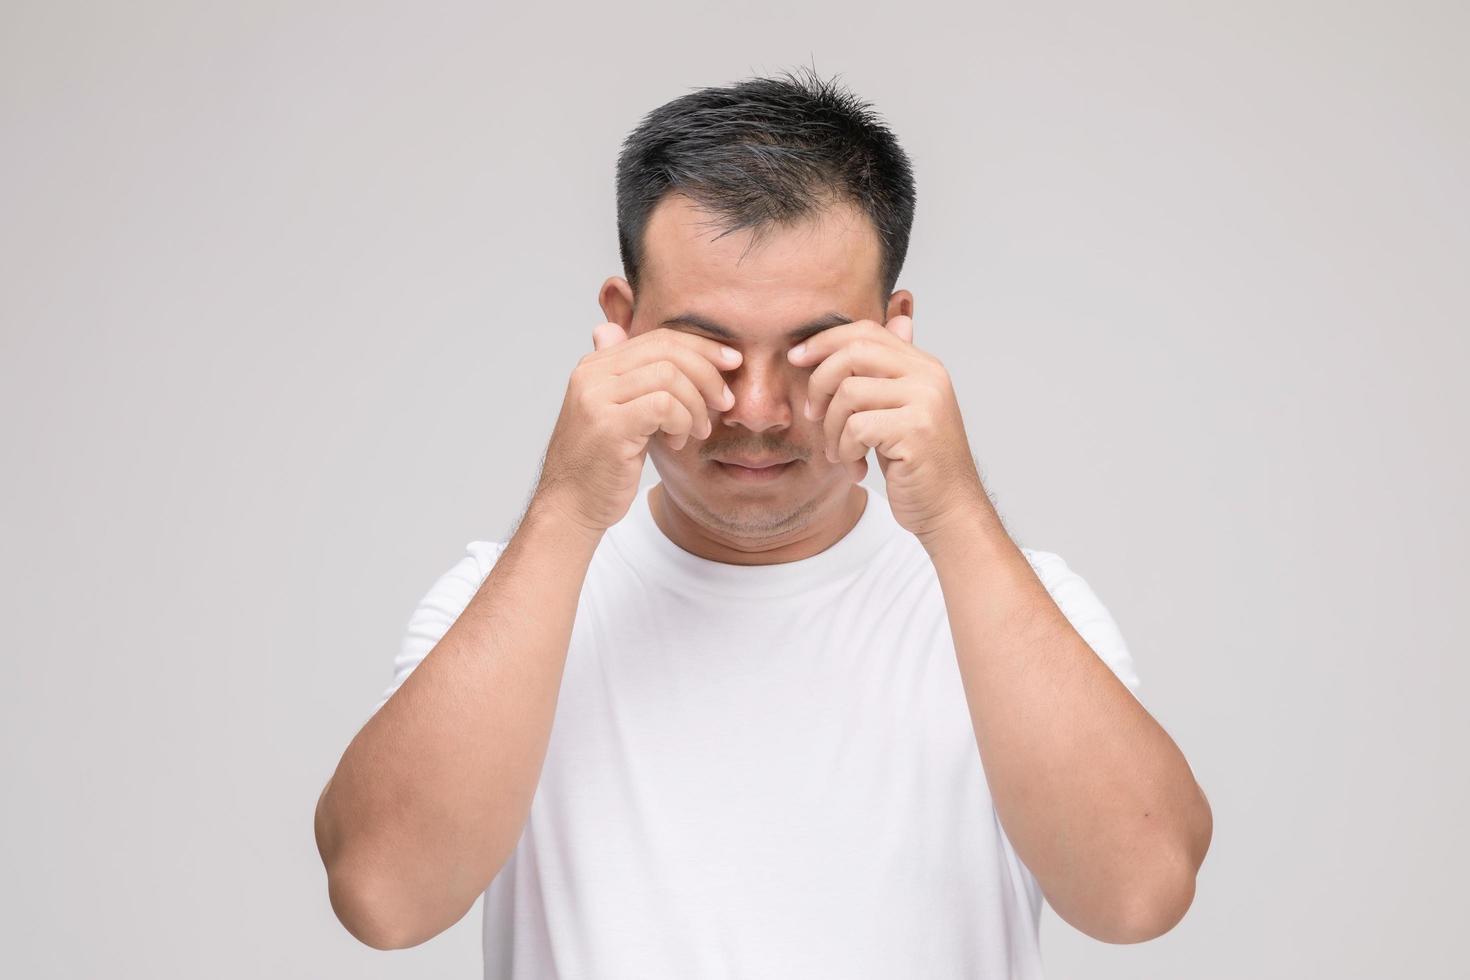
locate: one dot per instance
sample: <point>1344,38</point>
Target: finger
<point>823,343</point>
<point>658,411</point>
<point>859,394</point>
<point>883,429</point>
<point>700,358</point>
<point>863,356</point>
<point>607,335</point>
<point>902,327</point>
<point>663,375</point>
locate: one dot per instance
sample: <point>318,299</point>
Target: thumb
<point>903,326</point>
<point>605,335</point>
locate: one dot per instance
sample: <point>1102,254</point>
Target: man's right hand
<point>619,396</point>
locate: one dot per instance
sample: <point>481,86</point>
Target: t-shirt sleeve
<point>439,608</point>
<point>1088,616</point>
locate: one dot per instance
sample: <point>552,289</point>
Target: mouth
<point>756,471</point>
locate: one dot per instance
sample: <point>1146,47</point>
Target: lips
<point>755,464</point>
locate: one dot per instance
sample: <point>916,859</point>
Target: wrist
<point>555,516</point>
<point>971,533</point>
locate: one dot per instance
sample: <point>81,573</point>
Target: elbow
<point>355,900</point>
<point>383,906</point>
<point>1144,909</point>
<point>1155,900</point>
<point>1151,912</point>
<point>368,915</point>
<point>1157,905</point>
<point>358,900</point>
<point>1156,909</point>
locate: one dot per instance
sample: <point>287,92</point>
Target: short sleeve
<point>439,608</point>
<point>1088,616</point>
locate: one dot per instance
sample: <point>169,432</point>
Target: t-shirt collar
<point>645,546</point>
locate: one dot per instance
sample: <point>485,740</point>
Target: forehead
<point>758,282</point>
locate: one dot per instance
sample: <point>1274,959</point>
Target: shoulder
<point>1049,567</point>
<point>480,557</point>
<point>1068,589</point>
<point>1086,612</point>
<point>456,583</point>
<point>484,553</point>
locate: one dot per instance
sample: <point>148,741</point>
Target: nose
<point>763,389</point>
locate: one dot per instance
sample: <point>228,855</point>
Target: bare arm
<point>1097,799</point>
<point>430,797</point>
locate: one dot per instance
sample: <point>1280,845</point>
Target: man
<point>760,721</point>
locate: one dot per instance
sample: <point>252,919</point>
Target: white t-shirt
<point>762,771</point>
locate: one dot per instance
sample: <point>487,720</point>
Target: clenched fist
<point>619,396</point>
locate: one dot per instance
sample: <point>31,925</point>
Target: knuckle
<point>586,398</point>
<point>711,379</point>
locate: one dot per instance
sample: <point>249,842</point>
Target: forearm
<point>430,797</point>
<point>1095,796</point>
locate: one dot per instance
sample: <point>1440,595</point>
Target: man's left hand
<point>875,390</point>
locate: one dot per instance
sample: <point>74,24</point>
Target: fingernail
<point>798,350</point>
<point>729,397</point>
<point>730,354</point>
<point>806,408</point>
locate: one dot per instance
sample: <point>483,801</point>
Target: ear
<point>901,303</point>
<point>616,299</point>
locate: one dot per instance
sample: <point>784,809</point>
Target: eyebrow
<point>800,333</point>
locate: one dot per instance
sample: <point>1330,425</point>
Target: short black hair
<point>764,152</point>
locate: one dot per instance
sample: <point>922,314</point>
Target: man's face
<point>762,300</point>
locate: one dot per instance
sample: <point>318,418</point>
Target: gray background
<point>290,296</point>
